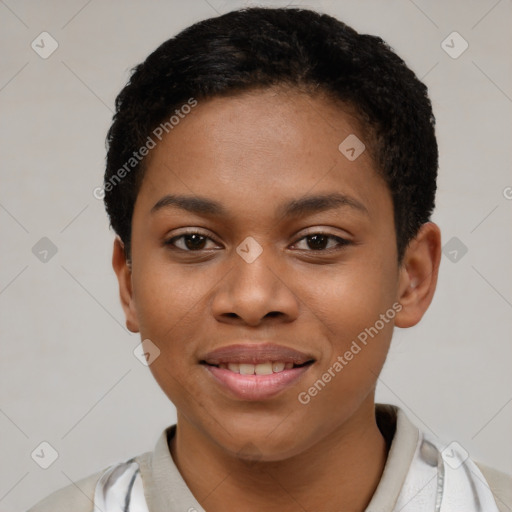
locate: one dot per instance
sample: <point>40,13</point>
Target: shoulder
<point>77,496</point>
<point>80,496</point>
<point>500,485</point>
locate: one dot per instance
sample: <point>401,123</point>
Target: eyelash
<point>342,242</point>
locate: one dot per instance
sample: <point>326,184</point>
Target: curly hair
<point>266,47</point>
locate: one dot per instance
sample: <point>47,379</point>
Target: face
<point>252,232</point>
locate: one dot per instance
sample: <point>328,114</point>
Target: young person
<point>270,176</point>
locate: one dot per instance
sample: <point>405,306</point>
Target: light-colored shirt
<point>165,490</point>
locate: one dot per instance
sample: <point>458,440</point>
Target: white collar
<point>421,475</point>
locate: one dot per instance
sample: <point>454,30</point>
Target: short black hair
<point>308,51</point>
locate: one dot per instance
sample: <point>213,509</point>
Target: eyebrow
<point>295,208</point>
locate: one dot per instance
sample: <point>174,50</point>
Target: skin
<point>253,152</point>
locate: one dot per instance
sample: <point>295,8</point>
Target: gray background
<point>68,373</point>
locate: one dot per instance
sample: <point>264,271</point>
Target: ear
<point>122,268</point>
<point>418,275</point>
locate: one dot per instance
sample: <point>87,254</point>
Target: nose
<point>256,292</point>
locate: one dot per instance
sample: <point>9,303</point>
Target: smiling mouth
<point>256,381</point>
<point>264,368</point>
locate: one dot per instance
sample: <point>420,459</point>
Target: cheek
<point>167,299</point>
<point>350,298</point>
<point>355,305</point>
<point>168,304</point>
<point>345,381</point>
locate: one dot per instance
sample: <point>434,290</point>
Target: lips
<point>256,354</point>
<point>256,371</point>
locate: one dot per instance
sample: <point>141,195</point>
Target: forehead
<point>257,148</point>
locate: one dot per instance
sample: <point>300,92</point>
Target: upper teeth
<point>257,369</point>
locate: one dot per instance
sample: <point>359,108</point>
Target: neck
<point>340,472</point>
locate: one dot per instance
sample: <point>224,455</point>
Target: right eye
<point>193,241</point>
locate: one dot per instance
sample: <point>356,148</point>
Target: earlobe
<point>123,272</point>
<point>418,275</point>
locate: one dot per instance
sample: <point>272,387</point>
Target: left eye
<point>318,241</point>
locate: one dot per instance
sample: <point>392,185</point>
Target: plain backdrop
<point>68,373</point>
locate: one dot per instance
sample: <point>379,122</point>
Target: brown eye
<point>192,241</point>
<point>319,241</point>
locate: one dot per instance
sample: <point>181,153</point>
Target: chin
<point>262,445</point>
